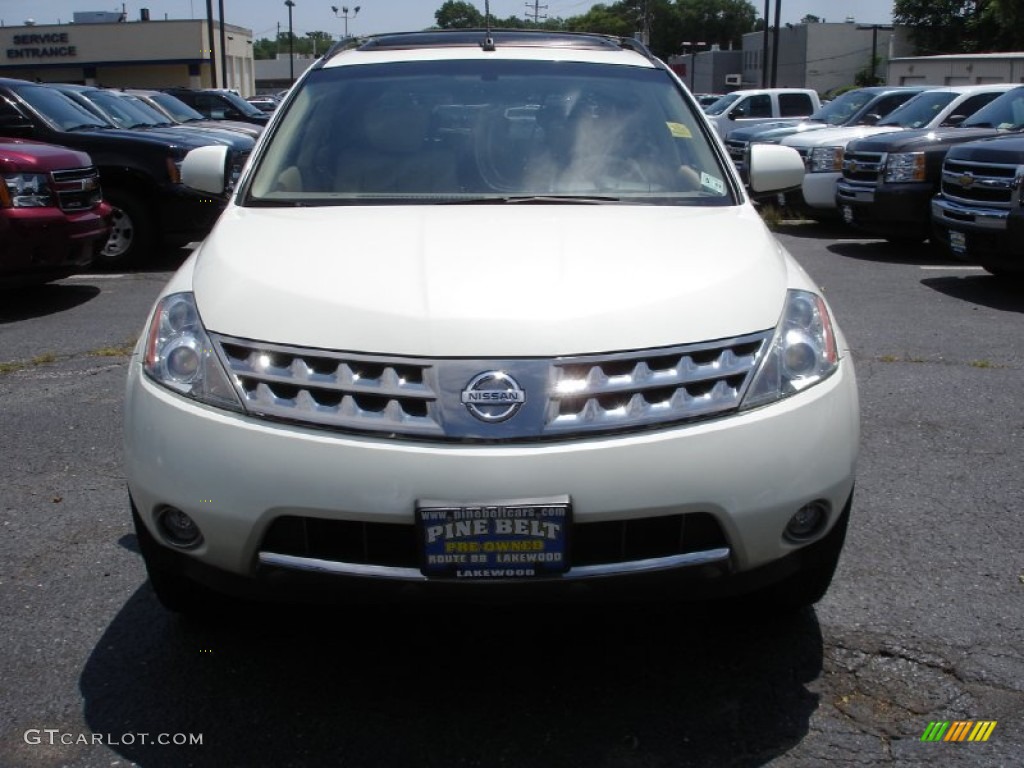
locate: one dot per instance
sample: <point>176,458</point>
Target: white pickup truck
<point>750,107</point>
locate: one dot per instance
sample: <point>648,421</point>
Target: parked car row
<point>121,147</point>
<point>947,165</point>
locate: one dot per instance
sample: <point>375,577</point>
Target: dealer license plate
<point>957,242</point>
<point>494,540</point>
<point>848,214</point>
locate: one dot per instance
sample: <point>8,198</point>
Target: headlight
<point>826,159</point>
<point>179,354</point>
<point>905,166</point>
<point>27,190</point>
<point>802,353</point>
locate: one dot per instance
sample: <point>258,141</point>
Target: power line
<point>537,8</point>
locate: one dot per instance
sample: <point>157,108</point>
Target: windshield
<point>175,107</point>
<point>843,107</point>
<point>61,111</point>
<point>241,104</point>
<point>920,110</point>
<point>721,105</point>
<point>1005,113</point>
<point>451,131</point>
<point>123,113</point>
<point>149,112</point>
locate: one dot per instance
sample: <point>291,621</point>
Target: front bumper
<point>820,190</point>
<point>41,244</point>
<point>896,210</point>
<point>990,236</point>
<point>236,475</point>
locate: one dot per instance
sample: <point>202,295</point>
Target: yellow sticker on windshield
<point>679,131</point>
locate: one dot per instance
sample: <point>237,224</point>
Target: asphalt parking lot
<point>923,624</point>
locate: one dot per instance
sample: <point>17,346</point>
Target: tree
<point>455,14</point>
<point>723,22</point>
<point>1001,25</point>
<point>962,26</point>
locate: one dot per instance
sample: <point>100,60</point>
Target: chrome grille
<point>77,189</point>
<point>992,184</point>
<point>864,167</point>
<point>421,397</point>
<point>331,389</point>
<point>737,149</point>
<point>655,387</point>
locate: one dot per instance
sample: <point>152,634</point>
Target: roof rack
<point>471,38</point>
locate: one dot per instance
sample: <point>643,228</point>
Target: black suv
<point>889,179</point>
<point>220,105</point>
<point>140,172</point>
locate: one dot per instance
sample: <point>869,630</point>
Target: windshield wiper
<point>539,199</point>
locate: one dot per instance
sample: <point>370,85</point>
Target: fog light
<point>808,520</point>
<point>178,528</point>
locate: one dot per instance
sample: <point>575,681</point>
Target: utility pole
<point>209,37</point>
<point>291,44</point>
<point>537,8</point>
<point>874,44</point>
<point>775,44</point>
<point>223,47</point>
<point>764,48</point>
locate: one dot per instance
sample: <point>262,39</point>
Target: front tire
<point>132,233</point>
<point>175,591</point>
<point>808,585</point>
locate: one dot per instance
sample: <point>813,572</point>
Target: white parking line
<point>957,269</point>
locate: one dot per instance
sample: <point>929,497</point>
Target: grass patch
<point>20,365</point>
<point>123,350</point>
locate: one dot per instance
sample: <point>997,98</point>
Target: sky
<point>262,16</point>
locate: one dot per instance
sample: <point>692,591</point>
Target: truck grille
<point>991,184</point>
<point>422,397</point>
<point>864,167</point>
<point>77,189</point>
<point>736,149</point>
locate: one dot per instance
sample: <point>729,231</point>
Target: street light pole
<point>291,43</point>
<point>693,57</point>
<point>345,15</point>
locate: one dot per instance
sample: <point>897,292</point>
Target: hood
<point>203,136</point>
<point>248,129</point>
<point>937,139</point>
<point>838,136</point>
<point>1008,149</point>
<point>21,155</point>
<point>490,281</point>
<point>755,131</point>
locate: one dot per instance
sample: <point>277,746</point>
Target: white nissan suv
<point>490,314</point>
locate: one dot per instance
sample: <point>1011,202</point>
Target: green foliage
<point>669,22</point>
<point>962,26</point>
<point>455,14</point>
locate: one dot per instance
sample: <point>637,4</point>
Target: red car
<point>52,215</point>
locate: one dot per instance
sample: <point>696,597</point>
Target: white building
<point>958,69</point>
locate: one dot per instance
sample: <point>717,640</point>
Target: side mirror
<point>205,169</point>
<point>774,168</point>
<point>737,113</point>
<point>954,120</point>
<point>870,119</point>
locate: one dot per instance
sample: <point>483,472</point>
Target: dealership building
<point>106,49</point>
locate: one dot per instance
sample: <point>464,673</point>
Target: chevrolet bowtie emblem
<point>966,180</point>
